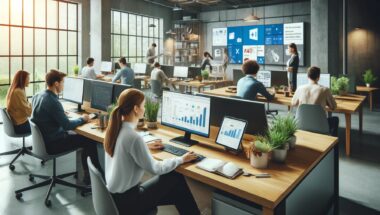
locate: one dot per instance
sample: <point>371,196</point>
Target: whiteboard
<point>219,36</point>
<point>106,66</point>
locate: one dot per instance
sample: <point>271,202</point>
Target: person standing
<point>292,66</point>
<point>206,61</point>
<point>128,157</point>
<point>125,74</point>
<point>18,107</point>
<point>151,54</point>
<point>89,71</point>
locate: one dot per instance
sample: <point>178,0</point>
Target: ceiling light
<point>251,18</point>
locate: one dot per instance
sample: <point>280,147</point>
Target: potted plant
<point>287,125</point>
<point>259,152</point>
<point>151,110</point>
<point>279,142</point>
<point>205,74</point>
<point>339,86</point>
<point>369,77</point>
<point>76,70</point>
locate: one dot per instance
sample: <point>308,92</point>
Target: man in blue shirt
<point>49,116</point>
<point>249,86</point>
<point>126,74</point>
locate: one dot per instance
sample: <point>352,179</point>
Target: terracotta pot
<point>292,142</point>
<point>257,161</point>
<point>151,125</point>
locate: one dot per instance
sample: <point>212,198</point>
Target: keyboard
<point>179,152</point>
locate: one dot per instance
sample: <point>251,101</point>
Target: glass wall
<point>36,36</point>
<point>132,34</point>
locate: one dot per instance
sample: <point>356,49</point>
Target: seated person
<point>249,86</point>
<point>159,75</point>
<point>128,156</point>
<point>313,93</point>
<point>18,107</point>
<point>125,74</point>
<point>49,116</point>
<point>89,70</point>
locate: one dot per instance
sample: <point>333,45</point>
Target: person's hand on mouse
<point>154,145</point>
<point>85,117</point>
<point>188,157</point>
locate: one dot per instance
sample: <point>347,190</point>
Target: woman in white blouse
<point>127,157</point>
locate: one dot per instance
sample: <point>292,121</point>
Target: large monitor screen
<point>106,66</point>
<point>265,78</point>
<point>139,68</point>
<point>231,132</point>
<point>181,71</point>
<point>73,90</point>
<point>186,112</point>
<point>101,97</point>
<point>324,79</point>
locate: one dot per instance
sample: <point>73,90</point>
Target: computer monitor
<point>279,78</point>
<point>231,133</point>
<point>324,79</point>
<point>106,66</point>
<point>117,89</point>
<point>117,66</point>
<point>194,72</point>
<point>181,72</point>
<point>73,91</point>
<point>101,97</point>
<point>265,78</point>
<point>139,68</point>
<point>168,70</point>
<point>87,88</point>
<point>188,113</point>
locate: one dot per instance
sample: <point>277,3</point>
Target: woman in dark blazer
<point>292,66</point>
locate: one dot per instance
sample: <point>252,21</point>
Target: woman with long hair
<point>128,156</point>
<point>292,66</point>
<point>18,106</point>
<point>206,60</point>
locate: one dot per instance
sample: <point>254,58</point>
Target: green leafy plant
<point>369,77</point>
<point>76,69</point>
<point>151,109</point>
<point>261,145</point>
<point>285,124</point>
<point>205,74</point>
<point>277,139</point>
<point>339,85</point>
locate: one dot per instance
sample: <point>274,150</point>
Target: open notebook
<point>226,169</point>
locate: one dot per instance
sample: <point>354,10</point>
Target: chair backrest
<point>237,75</point>
<point>312,118</point>
<point>39,147</point>
<point>7,123</point>
<point>101,198</point>
<point>156,87</point>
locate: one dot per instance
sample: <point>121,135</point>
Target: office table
<point>144,78</point>
<point>201,85</point>
<point>348,105</point>
<point>368,90</point>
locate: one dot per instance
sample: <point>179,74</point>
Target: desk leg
<point>361,119</point>
<point>267,211</point>
<point>370,101</point>
<point>348,133</point>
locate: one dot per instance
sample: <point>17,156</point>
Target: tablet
<point>231,132</point>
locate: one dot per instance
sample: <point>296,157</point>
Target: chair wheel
<point>11,167</point>
<point>75,175</point>
<point>43,163</point>
<point>48,203</point>
<point>31,178</point>
<point>18,196</point>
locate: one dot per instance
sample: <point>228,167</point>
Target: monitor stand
<point>185,140</point>
<point>77,110</point>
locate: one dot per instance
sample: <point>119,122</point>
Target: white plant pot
<point>368,85</point>
<point>279,155</point>
<point>260,162</point>
<point>292,142</point>
<point>151,125</point>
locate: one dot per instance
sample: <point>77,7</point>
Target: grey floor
<point>359,177</point>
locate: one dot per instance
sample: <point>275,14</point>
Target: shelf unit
<point>187,45</point>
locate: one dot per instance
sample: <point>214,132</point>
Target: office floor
<point>359,177</point>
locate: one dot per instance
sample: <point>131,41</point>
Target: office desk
<point>201,85</point>
<point>144,78</point>
<point>291,188</point>
<point>368,90</point>
<point>348,105</point>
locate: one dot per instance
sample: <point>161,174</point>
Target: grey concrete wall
<point>271,14</point>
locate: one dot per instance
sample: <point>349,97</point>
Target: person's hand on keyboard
<point>156,145</point>
<point>188,157</point>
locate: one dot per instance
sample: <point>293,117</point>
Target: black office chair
<point>39,149</point>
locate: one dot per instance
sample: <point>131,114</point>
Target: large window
<point>132,34</point>
<point>36,36</point>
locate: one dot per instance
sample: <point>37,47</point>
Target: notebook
<point>226,169</point>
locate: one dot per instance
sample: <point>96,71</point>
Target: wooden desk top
<point>345,104</point>
<point>366,89</point>
<point>269,192</point>
<point>196,83</point>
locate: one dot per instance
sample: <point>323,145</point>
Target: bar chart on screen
<point>231,132</point>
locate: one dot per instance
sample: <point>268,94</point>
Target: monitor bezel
<point>185,129</point>
<point>242,136</point>
<point>69,100</point>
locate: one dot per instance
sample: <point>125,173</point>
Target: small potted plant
<point>369,77</point>
<point>205,74</point>
<point>76,70</point>
<point>279,142</point>
<point>151,110</point>
<point>339,86</point>
<point>259,152</point>
<point>290,128</point>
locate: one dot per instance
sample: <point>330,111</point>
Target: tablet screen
<point>231,132</point>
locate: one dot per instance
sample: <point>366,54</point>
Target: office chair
<point>39,149</point>
<point>271,112</point>
<point>10,131</point>
<point>156,88</point>
<point>312,118</point>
